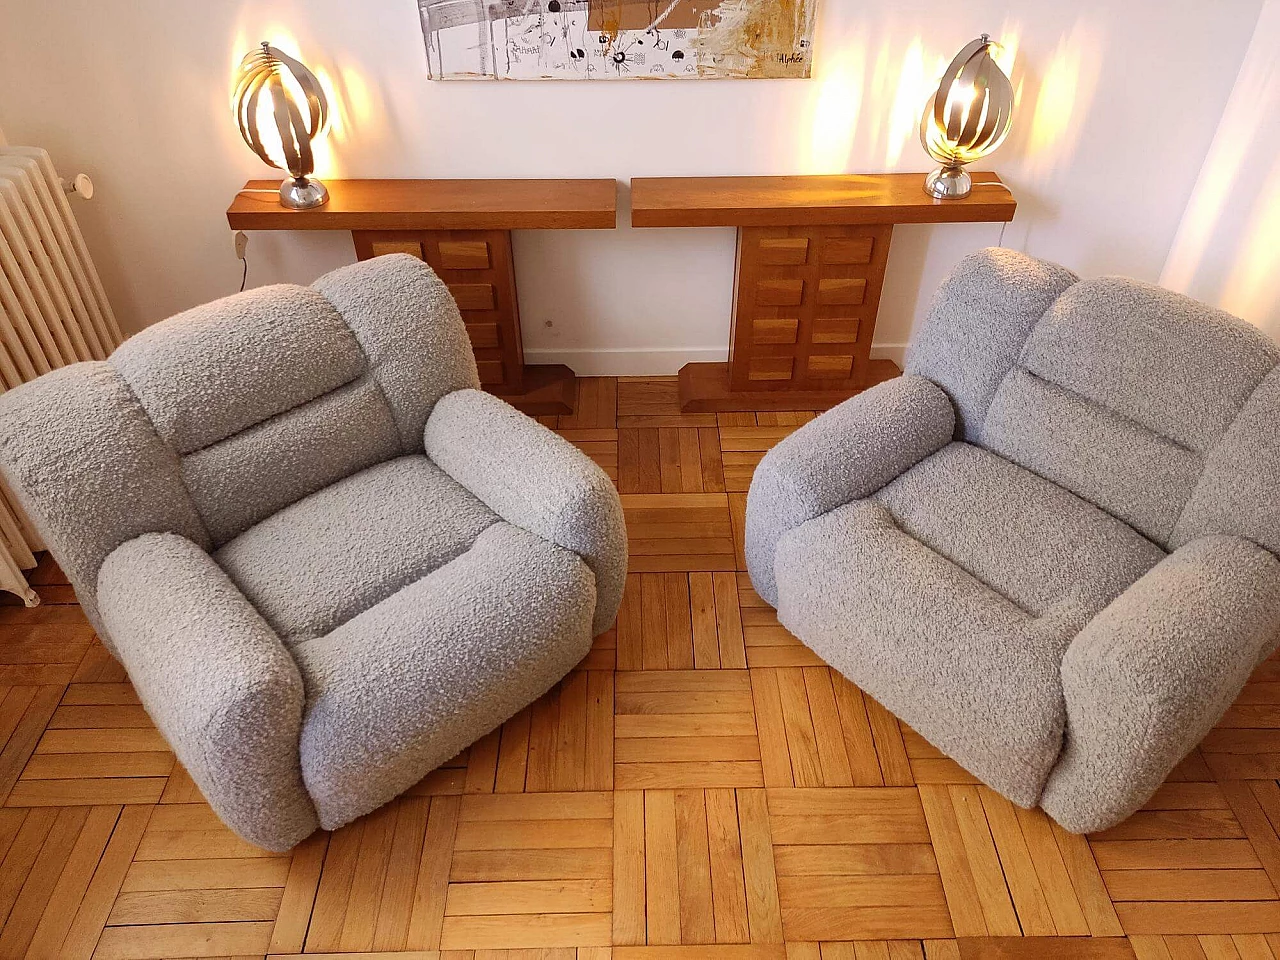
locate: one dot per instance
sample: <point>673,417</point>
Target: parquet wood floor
<point>702,787</point>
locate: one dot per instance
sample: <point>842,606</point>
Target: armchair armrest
<point>848,453</point>
<point>216,680</point>
<point>1151,674</point>
<point>536,480</point>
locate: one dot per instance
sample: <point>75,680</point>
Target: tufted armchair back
<point>1162,411</point>
<point>211,421</point>
<point>280,391</point>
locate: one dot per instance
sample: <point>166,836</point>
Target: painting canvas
<point>617,39</point>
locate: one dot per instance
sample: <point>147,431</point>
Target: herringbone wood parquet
<point>702,786</point>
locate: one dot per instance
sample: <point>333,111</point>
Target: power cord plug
<point>242,245</point>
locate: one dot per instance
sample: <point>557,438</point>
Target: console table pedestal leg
<point>805,305</point>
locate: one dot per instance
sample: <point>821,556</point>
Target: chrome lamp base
<point>948,183</point>
<point>303,193</point>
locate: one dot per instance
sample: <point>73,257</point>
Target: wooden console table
<point>811,258</point>
<point>462,228</point>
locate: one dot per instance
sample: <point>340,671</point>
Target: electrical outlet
<point>242,244</point>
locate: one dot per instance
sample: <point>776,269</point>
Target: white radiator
<point>52,311</point>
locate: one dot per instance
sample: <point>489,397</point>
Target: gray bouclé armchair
<point>1051,545</point>
<point>328,561</point>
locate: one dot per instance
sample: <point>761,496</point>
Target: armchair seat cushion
<point>405,685</point>
<point>1028,539</point>
<point>971,671</point>
<point>333,555</point>
<point>951,595</point>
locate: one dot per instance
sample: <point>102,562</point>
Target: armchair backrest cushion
<point>1237,493</point>
<point>214,371</point>
<point>977,324</point>
<point>211,421</point>
<point>1117,390</point>
<point>275,393</point>
<point>1166,362</point>
<point>410,332</point>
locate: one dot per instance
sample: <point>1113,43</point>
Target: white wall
<point>1227,249</point>
<point>1119,103</point>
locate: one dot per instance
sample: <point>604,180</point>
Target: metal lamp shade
<point>966,119</point>
<point>281,108</point>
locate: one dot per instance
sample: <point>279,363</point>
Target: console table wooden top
<point>784,201</point>
<point>462,228</point>
<point>812,252</point>
<point>435,205</point>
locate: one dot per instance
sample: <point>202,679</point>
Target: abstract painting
<point>617,39</point>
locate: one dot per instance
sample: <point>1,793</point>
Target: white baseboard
<point>638,362</point>
<point>629,362</point>
<point>889,351</point>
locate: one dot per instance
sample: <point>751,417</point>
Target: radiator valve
<point>79,186</point>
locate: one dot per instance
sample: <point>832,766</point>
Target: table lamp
<point>281,109</point>
<point>966,119</point>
